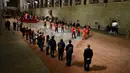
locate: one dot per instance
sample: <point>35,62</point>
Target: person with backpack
<point>88,54</point>
<point>61,46</point>
<point>69,51</point>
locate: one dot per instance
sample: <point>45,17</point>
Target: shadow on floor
<point>97,68</point>
<point>79,64</point>
<point>93,68</point>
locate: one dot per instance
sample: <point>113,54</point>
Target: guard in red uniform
<point>78,31</point>
<point>50,25</point>
<point>84,35</point>
<point>62,27</point>
<point>56,27</point>
<point>87,33</point>
<point>73,32</point>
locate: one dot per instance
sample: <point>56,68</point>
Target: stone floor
<point>111,54</point>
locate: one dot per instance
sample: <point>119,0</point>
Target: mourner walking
<point>52,44</point>
<point>88,54</point>
<point>69,51</point>
<point>61,46</point>
<point>47,44</point>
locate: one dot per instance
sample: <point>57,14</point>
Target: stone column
<point>82,2</point>
<point>61,3</point>
<point>68,2</point>
<point>54,4</point>
<point>47,3</point>
<point>101,1</point>
<point>88,2</point>
<point>73,2</point>
<point>39,2</point>
<point>110,1</point>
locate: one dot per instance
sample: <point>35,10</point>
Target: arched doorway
<point>114,23</point>
<point>114,26</point>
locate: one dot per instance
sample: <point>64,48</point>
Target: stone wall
<point>91,13</point>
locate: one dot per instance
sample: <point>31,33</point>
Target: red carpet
<point>29,21</point>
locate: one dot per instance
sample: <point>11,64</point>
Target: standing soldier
<point>56,27</point>
<point>61,46</point>
<point>52,44</point>
<point>47,44</point>
<point>73,32</point>
<point>88,54</point>
<point>62,27</point>
<point>69,51</point>
<point>50,25</point>
<point>78,31</point>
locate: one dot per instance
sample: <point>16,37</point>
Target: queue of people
<point>41,39</point>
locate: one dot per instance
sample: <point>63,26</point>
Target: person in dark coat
<point>47,44</point>
<point>14,25</point>
<point>69,51</point>
<point>8,24</point>
<point>17,26</point>
<point>21,24</point>
<point>40,42</point>
<point>34,38</point>
<point>52,44</point>
<point>85,26</point>
<point>30,36</point>
<point>88,54</point>
<point>61,46</point>
<point>77,24</point>
<point>74,24</point>
<point>23,31</point>
<point>44,24</point>
<point>27,33</point>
